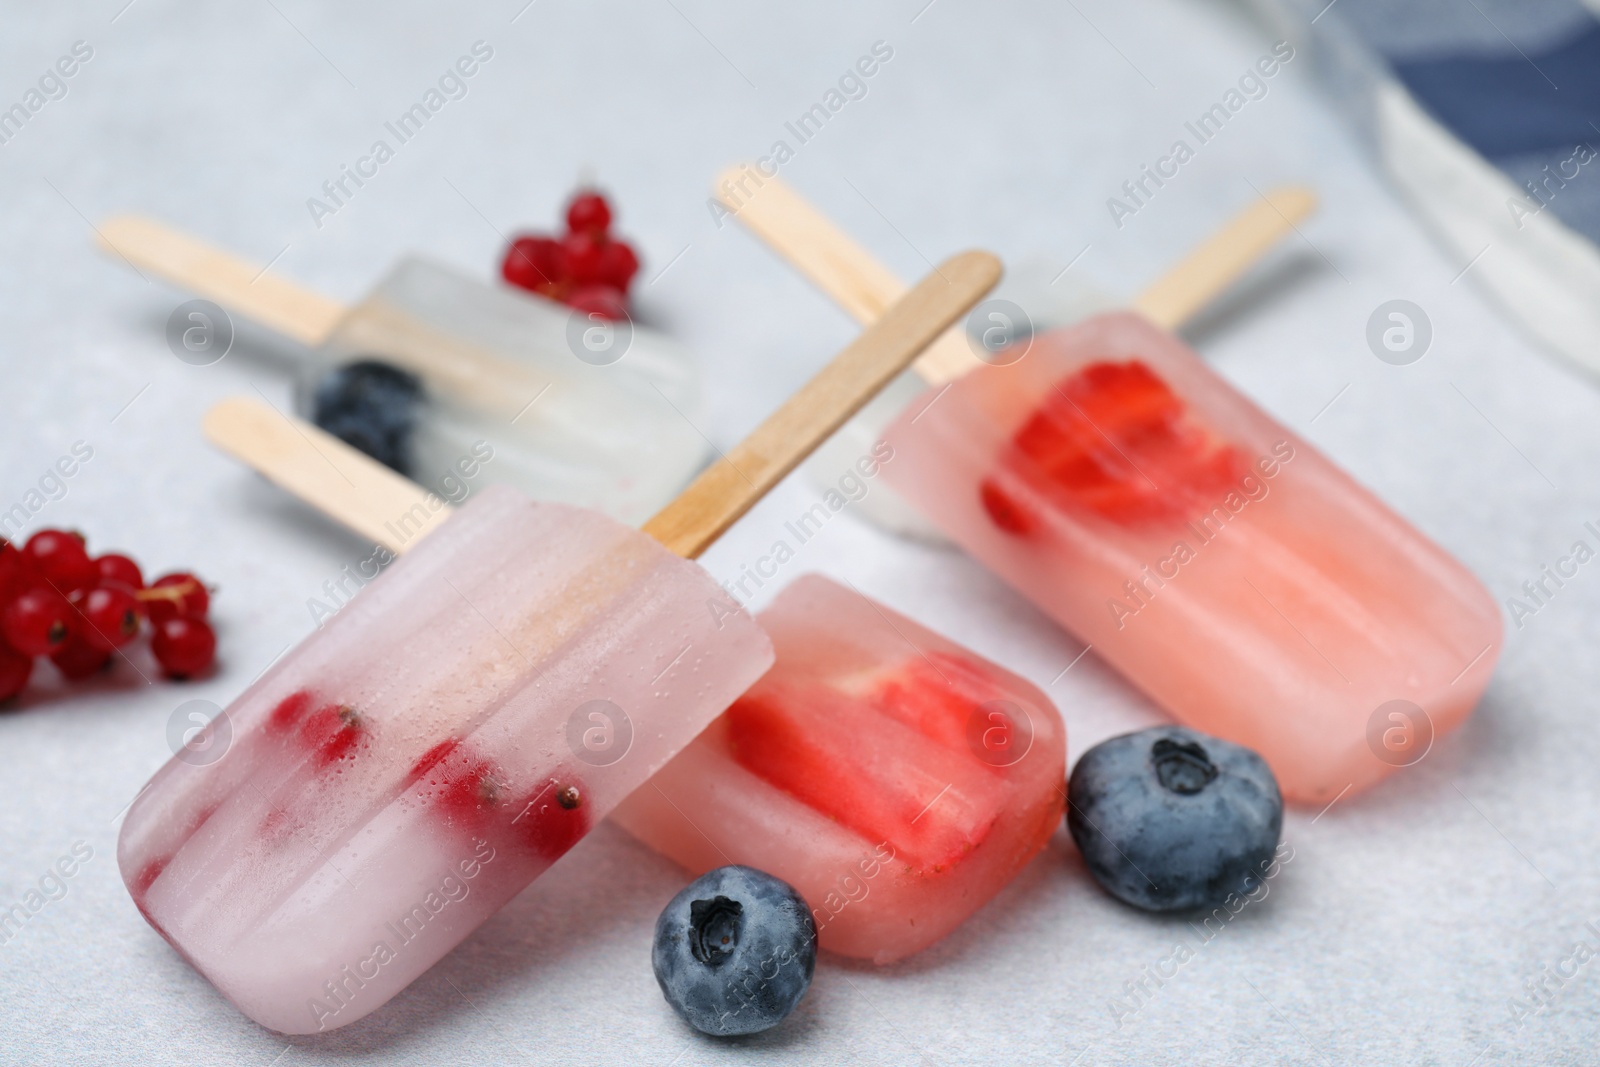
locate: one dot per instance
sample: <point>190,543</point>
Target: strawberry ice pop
<point>433,364</point>
<point>897,780</point>
<point>399,776</point>
<point>1221,563</point>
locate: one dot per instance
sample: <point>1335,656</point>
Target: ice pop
<point>1219,562</point>
<point>1047,295</point>
<point>576,409</point>
<point>397,777</point>
<point>896,779</point>
<point>1215,558</point>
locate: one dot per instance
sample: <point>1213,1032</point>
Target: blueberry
<point>734,951</point>
<point>370,406</point>
<point>1169,819</point>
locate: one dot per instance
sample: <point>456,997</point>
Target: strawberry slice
<point>939,696</point>
<point>1113,438</point>
<point>886,780</point>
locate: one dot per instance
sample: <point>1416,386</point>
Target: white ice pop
<point>401,774</point>
<point>433,364</point>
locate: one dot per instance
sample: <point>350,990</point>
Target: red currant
<point>78,659</point>
<point>599,300</point>
<point>173,595</point>
<point>536,264</point>
<point>588,213</point>
<point>119,568</point>
<point>15,574</point>
<point>59,557</point>
<point>618,264</point>
<point>585,252</point>
<point>14,671</point>
<point>37,622</point>
<point>184,646</point>
<point>110,616</point>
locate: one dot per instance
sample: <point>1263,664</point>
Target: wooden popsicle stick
<point>834,263</point>
<point>1202,275</point>
<point>861,285</point>
<point>344,484</point>
<point>728,488</point>
<point>238,285</point>
<point>377,503</point>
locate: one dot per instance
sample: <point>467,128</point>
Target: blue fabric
<point>1511,104</point>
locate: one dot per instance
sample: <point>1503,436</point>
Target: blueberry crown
<point>1182,766</point>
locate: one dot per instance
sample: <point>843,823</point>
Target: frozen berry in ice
<point>371,406</point>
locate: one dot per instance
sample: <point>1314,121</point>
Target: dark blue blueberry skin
<point>734,951</point>
<point>1170,819</point>
<point>370,406</point>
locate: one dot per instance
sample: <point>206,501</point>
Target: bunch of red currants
<point>587,268</point>
<point>58,601</point>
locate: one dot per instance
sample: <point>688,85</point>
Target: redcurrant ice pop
<point>397,777</point>
<point>897,780</point>
<point>1217,560</point>
<point>434,364</point>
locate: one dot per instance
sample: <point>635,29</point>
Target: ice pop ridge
<point>1218,561</point>
<point>459,725</point>
<point>897,780</point>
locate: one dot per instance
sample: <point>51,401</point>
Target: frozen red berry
<point>78,659</point>
<point>552,818</point>
<point>184,646</point>
<point>174,595</point>
<point>37,622</point>
<point>14,670</point>
<point>333,732</point>
<point>58,556</point>
<point>118,568</point>
<point>588,213</point>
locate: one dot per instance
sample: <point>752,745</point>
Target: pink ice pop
<point>395,781</point>
<point>896,779</point>
<point>468,717</point>
<point>1217,560</point>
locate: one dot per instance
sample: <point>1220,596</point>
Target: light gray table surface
<point>1410,917</point>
